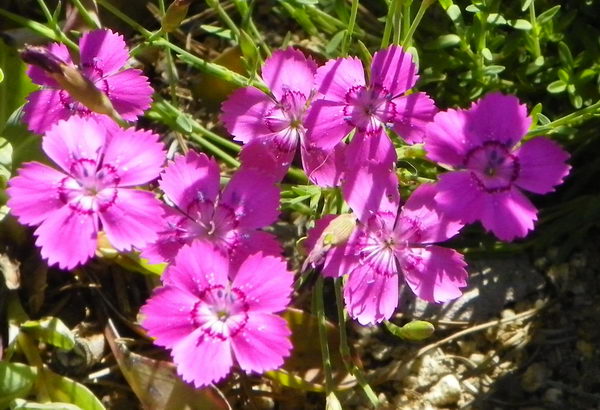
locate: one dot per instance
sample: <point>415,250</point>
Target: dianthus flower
<point>229,220</point>
<point>210,313</point>
<point>97,161</point>
<point>388,243</point>
<point>490,169</point>
<point>103,54</point>
<point>347,102</point>
<point>272,125</point>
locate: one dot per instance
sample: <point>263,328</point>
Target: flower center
<point>215,223</point>
<point>91,187</point>
<point>492,166</point>
<point>369,109</point>
<point>287,117</point>
<point>220,312</point>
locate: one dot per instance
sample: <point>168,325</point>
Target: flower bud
<point>175,15</point>
<point>70,79</point>
<point>336,233</point>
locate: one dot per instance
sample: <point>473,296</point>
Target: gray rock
<point>491,285</point>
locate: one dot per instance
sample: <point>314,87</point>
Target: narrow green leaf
<point>493,69</point>
<point>496,18</point>
<point>20,404</point>
<point>1,75</point>
<point>50,330</point>
<point>520,24</point>
<point>445,4</point>
<point>16,380</point>
<point>63,389</point>
<point>334,43</point>
<point>525,5</point>
<point>217,31</point>
<point>487,54</point>
<point>556,87</point>
<point>565,54</point>
<point>444,41</point>
<point>454,13</point>
<point>548,15</point>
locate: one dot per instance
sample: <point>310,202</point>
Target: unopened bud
<point>70,79</point>
<point>336,233</point>
<point>175,15</point>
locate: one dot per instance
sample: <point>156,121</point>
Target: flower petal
<point>189,178</point>
<point>413,113</point>
<point>137,154</point>
<point>289,70</point>
<point>202,360</point>
<point>169,241</point>
<point>102,53</point>
<point>370,189</point>
<point>34,193</point>
<point>44,108</point>
<point>336,77</point>
<point>508,215</point>
<point>197,266</point>
<point>129,92</point>
<point>542,165</point>
<point>324,168</point>
<point>497,117</point>
<point>434,274</point>
<point>433,225</point>
<point>74,139</point>
<point>266,281</point>
<point>67,238</point>
<point>394,69</point>
<point>253,197</point>
<point>268,156</point>
<point>132,220</point>
<point>262,343</point>
<point>445,139</point>
<point>325,124</point>
<point>459,197</point>
<point>375,148</point>
<point>167,315</point>
<point>244,111</point>
<point>253,242</point>
<point>371,297</point>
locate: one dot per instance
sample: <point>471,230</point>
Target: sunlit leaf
<point>156,384</point>
<point>20,404</point>
<point>63,389</point>
<point>16,380</point>
<point>50,330</point>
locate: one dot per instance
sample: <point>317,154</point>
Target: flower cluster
<point>226,279</point>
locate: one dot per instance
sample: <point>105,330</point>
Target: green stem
<point>114,10</point>
<point>389,23</point>
<point>89,18</point>
<point>535,30</point>
<point>323,335</point>
<point>32,25</point>
<point>405,18</point>
<point>345,348</point>
<point>350,30</point>
<point>397,22</point>
<point>52,23</point>
<point>216,6</point>
<point>569,119</point>
<point>406,41</point>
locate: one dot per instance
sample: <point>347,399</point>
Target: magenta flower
<point>230,220</point>
<point>103,54</point>
<point>388,243</point>
<point>348,103</point>
<point>490,170</point>
<point>98,160</point>
<point>272,126</point>
<point>210,313</point>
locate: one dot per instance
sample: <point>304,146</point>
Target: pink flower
<point>229,220</point>
<point>388,242</point>
<point>490,170</point>
<point>97,161</point>
<point>272,126</point>
<point>210,313</point>
<point>348,103</point>
<point>103,54</point>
